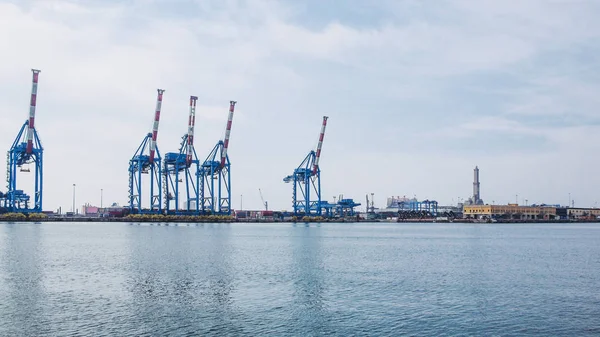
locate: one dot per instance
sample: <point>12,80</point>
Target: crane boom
<point>155,125</point>
<point>263,200</point>
<point>227,132</point>
<point>191,123</point>
<point>319,145</point>
<point>32,104</point>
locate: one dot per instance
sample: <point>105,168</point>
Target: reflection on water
<point>220,272</point>
<point>174,272</point>
<point>310,310</point>
<point>478,270</point>
<point>22,297</point>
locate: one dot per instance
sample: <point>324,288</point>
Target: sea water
<point>372,279</point>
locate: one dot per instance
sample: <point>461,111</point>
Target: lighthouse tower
<point>476,187</point>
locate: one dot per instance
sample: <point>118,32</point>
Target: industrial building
<point>533,212</point>
<point>405,204</point>
<point>582,213</point>
<point>411,208</point>
<point>510,211</point>
<point>114,210</point>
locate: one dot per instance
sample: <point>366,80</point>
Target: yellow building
<point>510,211</point>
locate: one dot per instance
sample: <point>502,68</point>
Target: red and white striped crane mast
<point>227,132</point>
<point>32,106</point>
<point>26,150</point>
<point>215,186</point>
<point>320,145</point>
<point>181,172</point>
<point>190,134</point>
<point>142,163</point>
<point>155,124</point>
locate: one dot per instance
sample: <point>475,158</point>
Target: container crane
<point>215,178</point>
<point>147,160</point>
<point>307,181</point>
<point>26,150</point>
<point>263,200</point>
<point>183,166</point>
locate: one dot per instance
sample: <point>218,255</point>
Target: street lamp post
<point>73,199</point>
<point>101,197</point>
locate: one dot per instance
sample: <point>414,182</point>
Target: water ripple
<point>295,280</point>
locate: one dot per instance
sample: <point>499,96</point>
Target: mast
<point>319,145</point>
<point>191,123</point>
<point>227,133</point>
<point>155,126</point>
<point>32,105</point>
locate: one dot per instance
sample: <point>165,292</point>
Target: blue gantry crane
<point>215,175</point>
<point>307,181</point>
<point>26,151</point>
<point>146,160</point>
<point>345,207</point>
<point>183,167</point>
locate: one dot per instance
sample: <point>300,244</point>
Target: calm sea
<point>115,279</point>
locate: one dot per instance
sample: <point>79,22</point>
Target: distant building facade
<point>400,202</point>
<point>89,210</point>
<point>583,213</point>
<point>534,212</point>
<point>113,210</point>
<point>510,211</point>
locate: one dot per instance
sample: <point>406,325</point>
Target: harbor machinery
<point>345,207</point>
<point>215,175</point>
<point>263,200</point>
<point>146,161</point>
<point>341,209</point>
<point>181,171</point>
<point>25,152</point>
<point>306,179</point>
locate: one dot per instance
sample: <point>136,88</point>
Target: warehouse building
<point>583,213</point>
<point>534,212</point>
<point>510,211</point>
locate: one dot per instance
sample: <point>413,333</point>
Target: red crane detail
<point>155,125</point>
<point>227,133</point>
<point>319,145</point>
<point>32,105</point>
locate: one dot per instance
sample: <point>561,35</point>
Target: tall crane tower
<point>26,150</point>
<point>182,167</point>
<point>146,160</point>
<point>215,178</point>
<point>307,181</point>
<point>263,200</point>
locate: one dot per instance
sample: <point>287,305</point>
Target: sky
<point>417,92</point>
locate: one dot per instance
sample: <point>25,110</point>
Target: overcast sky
<point>418,93</point>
